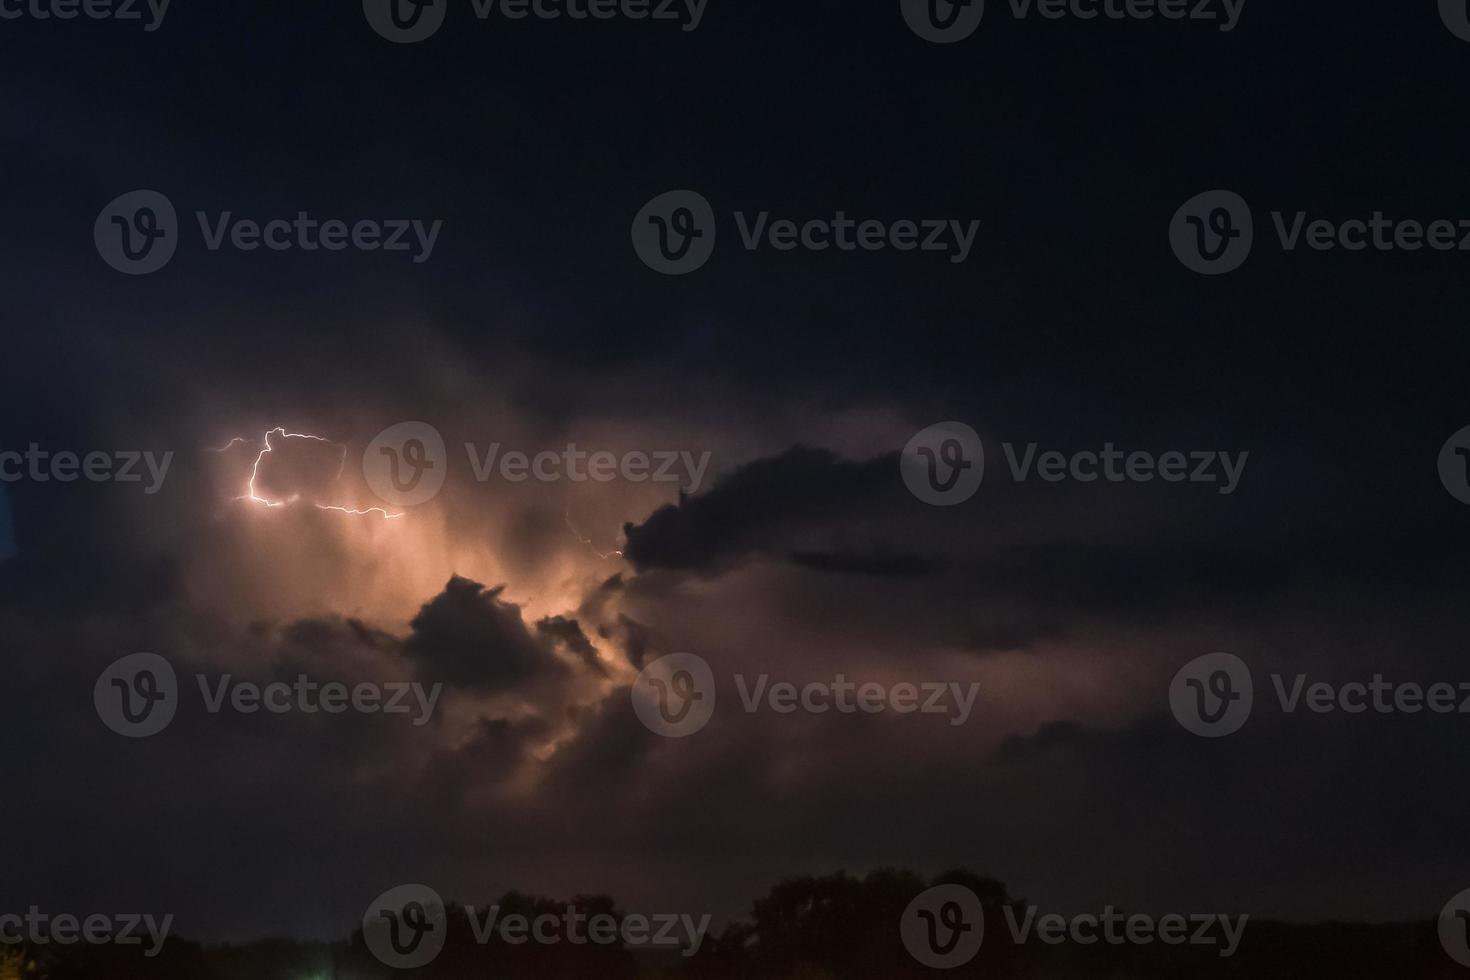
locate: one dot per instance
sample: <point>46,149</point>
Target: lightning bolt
<point>371,510</point>
<point>254,497</point>
<point>588,541</point>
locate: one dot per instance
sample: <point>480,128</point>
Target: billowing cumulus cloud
<point>800,564</point>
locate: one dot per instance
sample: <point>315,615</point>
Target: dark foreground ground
<point>803,929</point>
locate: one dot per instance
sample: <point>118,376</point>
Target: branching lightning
<point>251,495</point>
<point>588,541</point>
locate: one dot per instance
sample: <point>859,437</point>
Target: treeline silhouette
<point>829,927</point>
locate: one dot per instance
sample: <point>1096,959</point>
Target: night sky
<point>803,374</point>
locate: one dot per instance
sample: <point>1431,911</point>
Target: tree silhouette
<point>841,926</point>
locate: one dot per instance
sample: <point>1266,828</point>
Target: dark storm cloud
<point>496,750</point>
<point>882,565</point>
<point>398,792</point>
<point>1024,562</point>
<point>757,507</point>
<point>569,632</point>
<point>468,636</point>
<point>319,638</point>
<point>393,803</point>
<point>639,642</point>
